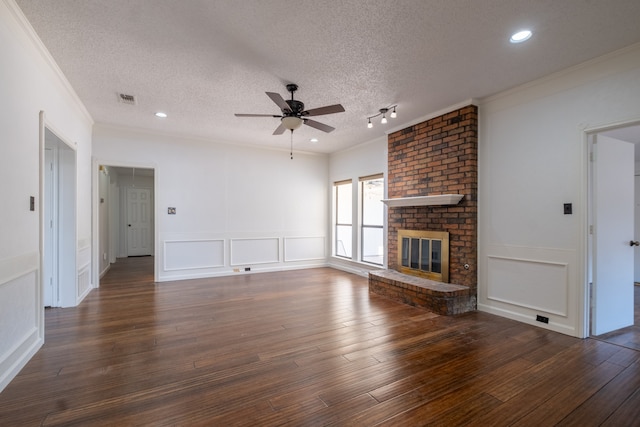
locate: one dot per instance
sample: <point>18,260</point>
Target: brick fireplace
<point>436,157</point>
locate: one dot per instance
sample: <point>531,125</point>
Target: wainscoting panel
<point>304,248</point>
<point>529,283</point>
<point>21,312</point>
<point>84,255</point>
<point>193,254</point>
<point>255,251</point>
<point>84,282</point>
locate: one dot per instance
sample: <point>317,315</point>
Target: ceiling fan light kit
<point>292,123</point>
<point>383,112</point>
<point>293,115</point>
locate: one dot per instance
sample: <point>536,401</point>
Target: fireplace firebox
<point>424,254</point>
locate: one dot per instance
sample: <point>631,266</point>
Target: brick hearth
<point>441,298</point>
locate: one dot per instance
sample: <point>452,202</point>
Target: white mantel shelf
<point>437,200</point>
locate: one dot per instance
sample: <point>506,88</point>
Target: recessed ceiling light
<point>161,115</point>
<point>313,140</point>
<point>521,36</point>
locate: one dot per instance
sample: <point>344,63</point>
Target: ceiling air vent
<point>127,99</point>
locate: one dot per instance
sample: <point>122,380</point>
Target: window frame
<point>361,224</point>
<point>337,224</point>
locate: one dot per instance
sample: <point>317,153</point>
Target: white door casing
<point>613,230</point>
<point>636,213</point>
<point>139,227</point>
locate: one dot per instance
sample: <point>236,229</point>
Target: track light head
<point>382,112</point>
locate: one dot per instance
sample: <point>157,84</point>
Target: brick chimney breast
<point>438,156</point>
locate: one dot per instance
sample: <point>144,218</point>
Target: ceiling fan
<point>294,115</point>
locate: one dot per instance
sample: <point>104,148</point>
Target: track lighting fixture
<point>383,112</point>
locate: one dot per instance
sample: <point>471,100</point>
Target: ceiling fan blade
<point>318,125</point>
<point>280,102</point>
<point>256,115</point>
<point>280,129</point>
<point>329,109</point>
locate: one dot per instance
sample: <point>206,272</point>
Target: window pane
<point>372,245</point>
<point>344,202</point>
<point>372,207</point>
<point>343,240</point>
<point>436,256</point>
<point>424,255</point>
<point>405,252</point>
<point>415,253</point>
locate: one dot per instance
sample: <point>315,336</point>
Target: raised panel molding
<point>193,254</point>
<point>529,283</point>
<point>254,251</point>
<point>15,267</point>
<point>84,256</point>
<point>304,248</point>
<point>84,282</point>
<point>21,307</point>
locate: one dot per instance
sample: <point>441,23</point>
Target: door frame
<point>587,220</point>
<point>95,220</point>
<point>67,201</point>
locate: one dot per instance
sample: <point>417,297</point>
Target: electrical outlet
<point>542,319</point>
<point>236,270</point>
<point>247,269</point>
<point>104,256</point>
<point>568,209</point>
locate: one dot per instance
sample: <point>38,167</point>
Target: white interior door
<point>139,221</point>
<point>50,276</point>
<point>613,228</point>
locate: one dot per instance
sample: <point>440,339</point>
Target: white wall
<point>236,206</point>
<point>360,161</point>
<point>532,160</point>
<point>29,83</point>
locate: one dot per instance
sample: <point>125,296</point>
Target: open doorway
<point>614,219</point>
<point>59,270</point>
<point>125,214</point>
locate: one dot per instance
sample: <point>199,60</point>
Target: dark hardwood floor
<point>306,348</point>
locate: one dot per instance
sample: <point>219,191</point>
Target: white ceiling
<point>201,61</point>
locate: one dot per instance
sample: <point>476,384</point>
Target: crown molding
<point>32,37</point>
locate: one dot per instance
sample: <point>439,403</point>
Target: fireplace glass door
<point>424,253</point>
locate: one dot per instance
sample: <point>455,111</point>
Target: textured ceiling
<point>200,61</point>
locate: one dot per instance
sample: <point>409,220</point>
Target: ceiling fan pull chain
<point>291,152</point>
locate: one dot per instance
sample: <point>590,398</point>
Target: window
<point>372,219</point>
<point>344,218</point>
<point>359,219</point>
